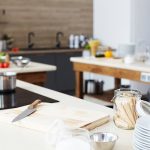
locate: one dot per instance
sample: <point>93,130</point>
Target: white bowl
<point>20,61</point>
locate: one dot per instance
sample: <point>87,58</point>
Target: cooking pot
<point>7,100</point>
<point>7,81</point>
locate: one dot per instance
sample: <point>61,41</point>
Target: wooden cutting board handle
<point>97,123</point>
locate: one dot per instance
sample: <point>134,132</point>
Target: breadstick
<point>120,123</point>
<point>126,107</point>
<point>132,108</point>
<point>124,115</point>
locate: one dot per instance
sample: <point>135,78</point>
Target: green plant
<point>87,47</point>
<point>2,55</point>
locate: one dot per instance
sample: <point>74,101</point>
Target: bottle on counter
<point>76,42</point>
<point>82,41</point>
<point>71,41</point>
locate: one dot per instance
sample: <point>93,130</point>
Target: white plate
<point>139,134</point>
<point>136,148</point>
<point>142,142</point>
<point>142,133</point>
<point>144,122</point>
<point>142,128</point>
<point>140,147</point>
<point>136,136</point>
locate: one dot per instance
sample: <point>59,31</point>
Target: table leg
<point>117,83</point>
<point>79,84</point>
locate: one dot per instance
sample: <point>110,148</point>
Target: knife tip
<point>14,120</point>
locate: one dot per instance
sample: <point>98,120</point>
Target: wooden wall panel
<point>46,18</point>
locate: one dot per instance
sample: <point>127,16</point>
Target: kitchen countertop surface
<point>115,63</point>
<point>16,138</point>
<point>24,52</point>
<point>31,67</point>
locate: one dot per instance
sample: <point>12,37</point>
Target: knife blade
<point>30,110</point>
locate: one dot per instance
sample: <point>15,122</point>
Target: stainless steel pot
<point>7,81</point>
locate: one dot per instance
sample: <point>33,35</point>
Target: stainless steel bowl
<point>103,141</point>
<point>20,61</point>
<point>7,81</point>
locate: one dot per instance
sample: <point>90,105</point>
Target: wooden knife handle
<point>34,104</point>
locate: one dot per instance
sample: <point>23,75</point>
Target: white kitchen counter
<point>32,67</point>
<point>16,138</point>
<point>110,62</point>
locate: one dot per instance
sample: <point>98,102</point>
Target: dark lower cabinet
<point>46,59</point>
<point>63,79</point>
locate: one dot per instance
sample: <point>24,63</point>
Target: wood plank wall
<point>45,18</point>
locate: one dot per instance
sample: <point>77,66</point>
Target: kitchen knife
<point>31,109</point>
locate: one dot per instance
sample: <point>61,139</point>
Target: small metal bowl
<point>20,61</point>
<point>103,141</point>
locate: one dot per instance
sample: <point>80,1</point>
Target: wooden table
<point>38,78</point>
<point>110,67</point>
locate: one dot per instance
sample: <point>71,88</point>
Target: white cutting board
<point>47,113</point>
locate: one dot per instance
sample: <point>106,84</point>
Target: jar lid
<point>127,92</point>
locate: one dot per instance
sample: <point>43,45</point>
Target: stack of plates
<point>142,134</point>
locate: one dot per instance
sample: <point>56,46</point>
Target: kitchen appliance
<point>30,110</point>
<point>20,97</point>
<point>90,86</point>
<point>94,87</point>
<point>7,81</point>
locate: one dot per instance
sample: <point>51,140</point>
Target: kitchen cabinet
<point>46,59</point>
<point>63,79</point>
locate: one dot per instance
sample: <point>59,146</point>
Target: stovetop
<point>21,97</point>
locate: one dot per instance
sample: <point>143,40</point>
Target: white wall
<point>112,21</point>
<point>122,21</point>
<point>141,31</point>
<point>112,25</point>
<point>141,18</point>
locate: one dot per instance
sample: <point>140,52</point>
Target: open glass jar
<point>125,106</point>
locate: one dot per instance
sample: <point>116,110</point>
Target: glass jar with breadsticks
<point>125,108</point>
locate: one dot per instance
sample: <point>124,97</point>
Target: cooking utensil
<point>31,109</point>
<point>20,61</point>
<point>7,81</point>
<point>103,140</point>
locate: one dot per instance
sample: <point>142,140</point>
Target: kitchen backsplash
<point>45,18</point>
